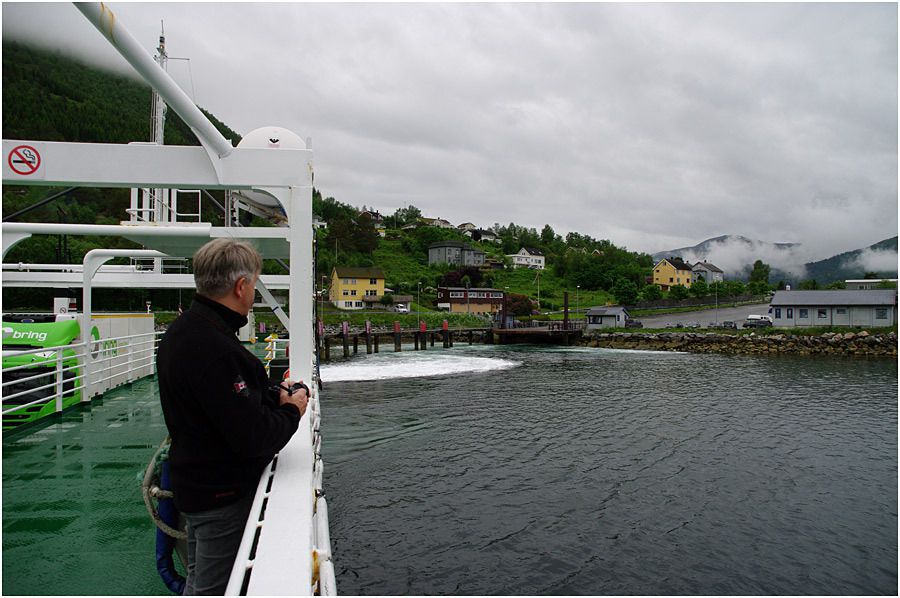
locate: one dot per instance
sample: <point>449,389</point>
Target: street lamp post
<point>716,284</point>
<point>467,298</point>
<point>577,304</point>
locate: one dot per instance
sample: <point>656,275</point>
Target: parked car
<point>761,323</point>
<point>402,308</point>
<point>692,325</point>
<point>727,324</point>
<point>633,324</point>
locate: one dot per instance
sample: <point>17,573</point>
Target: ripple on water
<point>597,472</point>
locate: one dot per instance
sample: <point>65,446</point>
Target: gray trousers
<point>213,540</point>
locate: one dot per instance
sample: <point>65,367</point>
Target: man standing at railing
<point>225,420</point>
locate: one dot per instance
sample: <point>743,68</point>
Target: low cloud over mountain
<point>789,261</point>
<point>735,255</point>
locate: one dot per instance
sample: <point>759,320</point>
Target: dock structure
<point>421,339</point>
<point>350,342</point>
<point>542,335</point>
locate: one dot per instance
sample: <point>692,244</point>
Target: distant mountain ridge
<point>735,255</point>
<point>880,258</point>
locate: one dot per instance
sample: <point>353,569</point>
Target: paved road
<point>706,316</point>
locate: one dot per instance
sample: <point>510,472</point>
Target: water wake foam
<point>404,365</point>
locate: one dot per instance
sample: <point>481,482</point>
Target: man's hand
<point>298,398</point>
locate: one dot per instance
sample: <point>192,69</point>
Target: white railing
<point>105,363</point>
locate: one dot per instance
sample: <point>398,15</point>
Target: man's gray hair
<point>219,264</point>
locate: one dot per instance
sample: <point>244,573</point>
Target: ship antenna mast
<point>158,105</point>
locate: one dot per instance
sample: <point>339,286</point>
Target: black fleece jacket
<point>225,423</point>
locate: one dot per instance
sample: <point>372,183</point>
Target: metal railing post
<point>59,380</point>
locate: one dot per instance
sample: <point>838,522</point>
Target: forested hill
<point>50,97</point>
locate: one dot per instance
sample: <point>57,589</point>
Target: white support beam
<point>175,240</point>
<point>118,280</point>
<point>151,165</point>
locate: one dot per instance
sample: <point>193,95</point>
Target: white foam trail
<point>399,365</point>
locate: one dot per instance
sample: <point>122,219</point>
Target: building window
<point>346,280</point>
<point>359,304</point>
<point>790,312</point>
<point>841,311</point>
<point>457,294</point>
<point>373,281</point>
<point>353,293</point>
<point>804,313</point>
<point>822,314</point>
<point>371,293</point>
<point>671,279</point>
<point>881,313</point>
<point>345,292</point>
<point>777,313</point>
<point>352,281</point>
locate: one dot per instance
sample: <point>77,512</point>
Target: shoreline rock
<point>853,343</point>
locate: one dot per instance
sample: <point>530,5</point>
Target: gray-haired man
<point>225,422</point>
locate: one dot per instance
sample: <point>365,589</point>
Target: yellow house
<point>352,288</point>
<point>671,272</point>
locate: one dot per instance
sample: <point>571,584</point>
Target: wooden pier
<point>349,343</point>
<point>345,344</point>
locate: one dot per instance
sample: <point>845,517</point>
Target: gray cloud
<point>876,261</point>
<point>651,125</point>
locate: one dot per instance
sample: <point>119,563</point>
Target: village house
<point>868,283</point>
<point>668,273</point>
<point>709,273</point>
<point>796,309</point>
<point>479,234</point>
<point>605,317</point>
<point>474,301</point>
<point>351,286</point>
<point>528,257</point>
<point>456,253</point>
<point>465,226</point>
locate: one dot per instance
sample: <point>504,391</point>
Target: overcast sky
<point>655,126</point>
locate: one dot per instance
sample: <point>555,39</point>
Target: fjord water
<point>525,470</point>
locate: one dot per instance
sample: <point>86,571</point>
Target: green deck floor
<point>73,518</point>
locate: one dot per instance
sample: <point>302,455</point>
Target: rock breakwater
<point>830,343</point>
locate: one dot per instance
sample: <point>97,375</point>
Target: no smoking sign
<point>24,160</point>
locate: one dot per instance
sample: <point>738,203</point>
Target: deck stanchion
<point>355,344</point>
<point>376,343</point>
<point>397,345</point>
<point>445,329</point>
<point>368,337</point>
<point>327,348</point>
<point>59,381</point>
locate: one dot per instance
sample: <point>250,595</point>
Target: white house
<point>528,257</point>
<point>709,272</point>
<point>795,309</point>
<point>867,283</point>
<point>466,226</point>
<point>479,234</point>
<point>605,317</point>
